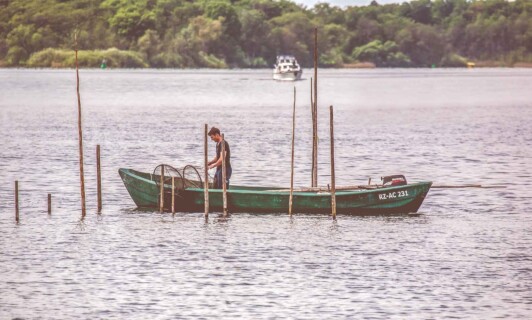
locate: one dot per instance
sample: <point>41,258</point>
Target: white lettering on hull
<point>393,195</point>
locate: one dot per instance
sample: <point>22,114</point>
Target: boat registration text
<point>393,195</point>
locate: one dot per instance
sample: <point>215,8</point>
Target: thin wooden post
<point>315,150</point>
<point>313,116</point>
<point>173,194</point>
<point>315,124</point>
<point>333,182</point>
<point>49,203</point>
<point>292,165</point>
<point>206,179</point>
<point>224,175</point>
<point>16,202</point>
<point>369,181</point>
<point>161,190</point>
<point>81,173</point>
<point>99,178</point>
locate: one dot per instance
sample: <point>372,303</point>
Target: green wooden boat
<point>356,200</point>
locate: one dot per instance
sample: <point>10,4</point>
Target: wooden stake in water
<point>161,190</point>
<point>333,182</point>
<point>292,165</point>
<point>81,173</point>
<point>49,203</point>
<point>313,135</point>
<point>206,179</point>
<point>99,178</point>
<point>173,194</point>
<point>224,177</point>
<point>315,124</point>
<point>16,202</point>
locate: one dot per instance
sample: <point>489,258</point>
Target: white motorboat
<point>286,68</point>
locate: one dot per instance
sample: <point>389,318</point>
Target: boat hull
<point>386,200</point>
<point>288,75</point>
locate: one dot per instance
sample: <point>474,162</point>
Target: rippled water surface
<point>467,255</point>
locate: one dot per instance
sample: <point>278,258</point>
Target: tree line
<point>250,33</point>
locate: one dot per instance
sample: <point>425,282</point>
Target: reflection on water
<point>466,255</point>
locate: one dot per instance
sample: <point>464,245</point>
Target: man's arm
<point>212,161</point>
<point>216,162</point>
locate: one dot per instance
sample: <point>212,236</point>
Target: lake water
<point>466,256</point>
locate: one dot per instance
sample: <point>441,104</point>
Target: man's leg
<point>218,179</point>
<point>228,176</point>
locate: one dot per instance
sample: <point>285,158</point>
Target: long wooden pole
<point>313,136</point>
<point>333,180</point>
<point>315,152</point>
<point>315,125</point>
<point>99,178</point>
<point>81,173</point>
<point>161,190</point>
<point>292,165</point>
<point>224,175</point>
<point>16,202</point>
<point>206,179</point>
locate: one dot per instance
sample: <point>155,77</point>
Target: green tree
<point>422,43</point>
<point>149,45</point>
<point>292,33</point>
<point>131,19</point>
<point>385,54</point>
<point>420,11</point>
<point>227,46</point>
<point>193,45</point>
<point>255,29</point>
<point>248,33</point>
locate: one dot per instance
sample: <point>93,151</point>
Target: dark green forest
<point>250,33</point>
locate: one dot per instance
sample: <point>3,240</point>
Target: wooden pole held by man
<point>333,181</point>
<point>206,179</point>
<point>292,165</point>
<point>224,177</point>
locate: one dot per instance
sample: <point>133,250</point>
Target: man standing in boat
<point>215,136</point>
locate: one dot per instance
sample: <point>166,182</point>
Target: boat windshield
<point>287,60</point>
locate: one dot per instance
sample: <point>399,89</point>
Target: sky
<point>345,3</point>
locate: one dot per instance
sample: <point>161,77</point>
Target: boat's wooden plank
<point>325,189</point>
<point>466,186</point>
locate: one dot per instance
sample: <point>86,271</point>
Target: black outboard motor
<point>395,180</point>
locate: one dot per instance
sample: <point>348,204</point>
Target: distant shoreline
<point>476,64</point>
<point>479,65</point>
<point>360,65</point>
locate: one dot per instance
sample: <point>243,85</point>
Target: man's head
<point>214,133</point>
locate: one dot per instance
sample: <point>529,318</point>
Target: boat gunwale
<point>283,191</point>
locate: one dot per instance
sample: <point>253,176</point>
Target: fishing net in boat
<point>186,177</point>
